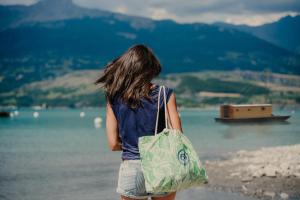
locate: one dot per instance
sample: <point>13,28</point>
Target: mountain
<point>53,10</point>
<point>284,32</point>
<point>52,38</point>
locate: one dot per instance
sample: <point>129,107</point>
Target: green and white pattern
<point>169,161</point>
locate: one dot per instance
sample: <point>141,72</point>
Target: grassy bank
<point>199,89</point>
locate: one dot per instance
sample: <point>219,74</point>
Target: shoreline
<point>204,107</point>
<point>266,173</point>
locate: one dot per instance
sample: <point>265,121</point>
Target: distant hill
<point>55,37</point>
<point>284,32</point>
<point>75,89</point>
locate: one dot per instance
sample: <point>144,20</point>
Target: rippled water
<point>60,155</point>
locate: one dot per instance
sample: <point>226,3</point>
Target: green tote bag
<point>169,161</point>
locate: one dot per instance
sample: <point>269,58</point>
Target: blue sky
<point>251,12</point>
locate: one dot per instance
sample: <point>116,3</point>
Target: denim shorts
<point>131,182</point>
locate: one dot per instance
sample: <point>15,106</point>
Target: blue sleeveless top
<point>134,123</point>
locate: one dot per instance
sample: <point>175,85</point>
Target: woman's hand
<point>112,130</point>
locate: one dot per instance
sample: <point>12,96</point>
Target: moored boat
<point>248,113</point>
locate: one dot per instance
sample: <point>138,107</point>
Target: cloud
<point>121,9</point>
<point>254,12</point>
<point>251,12</point>
<point>14,2</point>
<point>273,5</point>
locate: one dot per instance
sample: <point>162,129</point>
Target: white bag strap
<point>165,106</point>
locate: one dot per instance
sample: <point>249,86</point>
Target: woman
<point>131,113</point>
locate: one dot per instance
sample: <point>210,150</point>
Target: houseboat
<point>248,113</point>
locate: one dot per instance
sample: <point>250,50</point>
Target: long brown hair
<point>129,75</point>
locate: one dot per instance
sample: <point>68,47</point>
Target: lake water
<point>61,156</point>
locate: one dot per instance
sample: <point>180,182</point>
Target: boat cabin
<point>238,111</point>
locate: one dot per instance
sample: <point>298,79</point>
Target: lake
<point>62,156</point>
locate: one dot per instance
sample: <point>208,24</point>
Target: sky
<point>250,12</point>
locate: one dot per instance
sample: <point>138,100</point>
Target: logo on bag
<point>183,157</point>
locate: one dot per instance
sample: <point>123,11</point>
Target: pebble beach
<point>266,173</point>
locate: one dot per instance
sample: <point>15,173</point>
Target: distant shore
<point>267,173</point>
<point>205,107</point>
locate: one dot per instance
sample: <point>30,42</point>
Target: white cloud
<point>14,2</point>
<point>254,12</point>
<point>251,19</point>
<point>121,9</point>
<point>160,13</point>
<point>256,19</point>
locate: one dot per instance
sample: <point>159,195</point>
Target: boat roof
<point>247,105</point>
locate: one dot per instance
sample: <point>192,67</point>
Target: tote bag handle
<point>165,106</point>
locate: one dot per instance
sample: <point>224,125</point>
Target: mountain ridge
<point>35,50</point>
<point>284,32</point>
<point>53,10</point>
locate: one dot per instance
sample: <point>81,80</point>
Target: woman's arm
<point>112,129</point>
<point>173,113</point>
